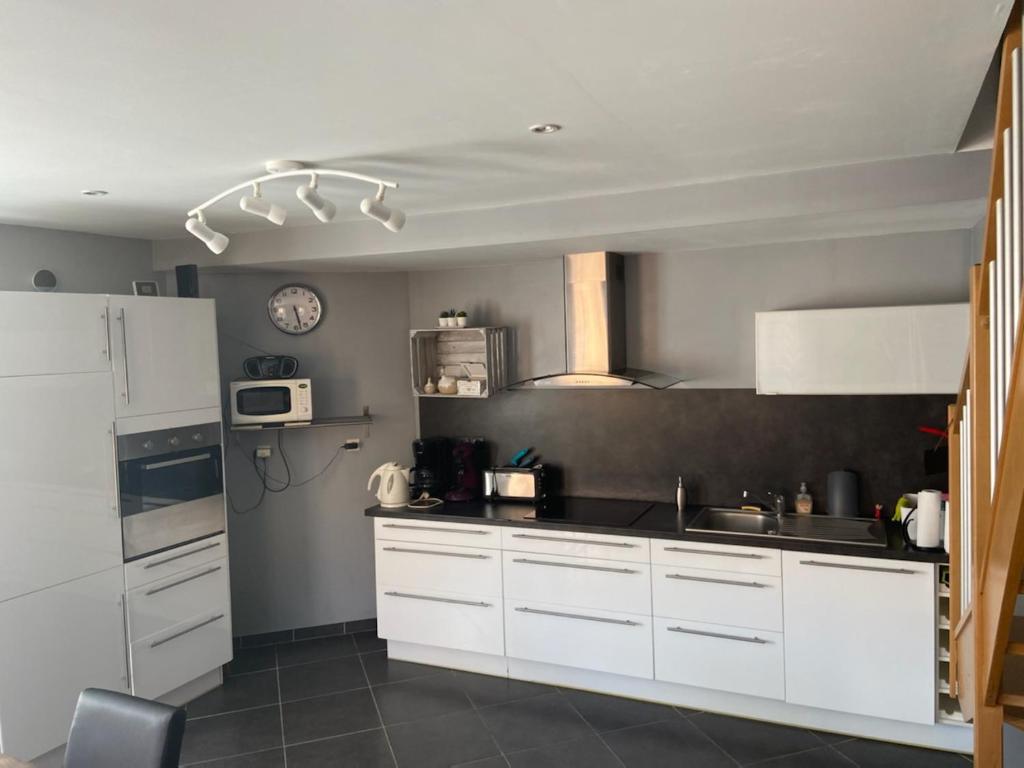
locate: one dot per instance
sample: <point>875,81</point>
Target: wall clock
<point>295,309</point>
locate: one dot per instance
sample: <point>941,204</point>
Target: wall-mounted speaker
<point>188,281</point>
<point>44,280</point>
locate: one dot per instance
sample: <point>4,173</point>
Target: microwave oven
<point>273,401</point>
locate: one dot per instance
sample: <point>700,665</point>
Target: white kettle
<point>393,490</point>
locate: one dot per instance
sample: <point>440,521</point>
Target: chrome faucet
<point>777,503</point>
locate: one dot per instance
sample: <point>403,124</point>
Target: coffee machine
<point>431,467</point>
<point>469,457</point>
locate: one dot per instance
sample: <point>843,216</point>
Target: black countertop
<point>660,520</point>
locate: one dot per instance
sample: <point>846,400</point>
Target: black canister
<point>843,499</point>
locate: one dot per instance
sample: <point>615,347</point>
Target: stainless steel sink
<point>741,522</point>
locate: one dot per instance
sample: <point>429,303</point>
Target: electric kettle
<point>393,490</point>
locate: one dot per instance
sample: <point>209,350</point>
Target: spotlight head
<point>374,207</point>
<point>255,204</point>
<point>322,208</point>
<point>212,239</point>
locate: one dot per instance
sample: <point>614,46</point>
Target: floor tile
<point>822,757</point>
<point>610,713</point>
<point>488,762</point>
<point>332,715</point>
<point>315,649</point>
<point>584,753</point>
<point>271,758</point>
<point>358,750</point>
<point>831,738</point>
<point>237,733</point>
<point>266,638</point>
<point>323,630</point>
<point>534,722</point>
<point>380,669</point>
<point>238,692</point>
<point>423,697</point>
<point>360,625</point>
<point>440,742</point>
<point>750,740</point>
<point>252,660</point>
<point>487,690</point>
<point>320,677</point>
<point>669,744</point>
<point>368,641</point>
<point>880,754</point>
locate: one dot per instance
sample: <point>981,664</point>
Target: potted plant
<point>444,319</point>
<point>451,317</point>
<point>461,318</point>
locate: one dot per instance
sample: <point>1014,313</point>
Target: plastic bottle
<point>804,502</point>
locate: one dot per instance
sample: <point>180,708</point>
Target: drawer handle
<point>574,565</point>
<point>432,552</point>
<point>171,559</point>
<point>741,638</point>
<point>179,582</point>
<point>744,555</point>
<point>439,599</point>
<point>436,530</point>
<point>706,580</point>
<point>845,566</point>
<point>573,541</point>
<point>193,628</point>
<point>601,619</point>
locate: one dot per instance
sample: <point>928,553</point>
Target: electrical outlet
<point>263,451</point>
<point>352,445</point>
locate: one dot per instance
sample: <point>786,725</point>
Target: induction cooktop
<point>572,510</point>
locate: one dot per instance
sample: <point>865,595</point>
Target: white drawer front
<point>161,604</point>
<point>579,582</point>
<point>172,561</point>
<point>572,544</point>
<point>442,568</point>
<point>448,620</point>
<point>722,658</point>
<point>605,641</point>
<point>718,557</point>
<point>437,532</point>
<point>179,654</point>
<point>718,597</point>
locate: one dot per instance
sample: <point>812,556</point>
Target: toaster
<point>519,483</point>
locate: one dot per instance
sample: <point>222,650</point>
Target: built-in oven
<point>171,484</point>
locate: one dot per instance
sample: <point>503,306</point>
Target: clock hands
<point>298,320</point>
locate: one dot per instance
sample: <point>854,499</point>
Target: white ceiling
<point>166,103</point>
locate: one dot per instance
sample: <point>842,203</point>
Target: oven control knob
<point>148,445</point>
<point>173,441</point>
<point>197,436</point>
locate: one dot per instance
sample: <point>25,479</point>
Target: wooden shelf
<point>330,421</point>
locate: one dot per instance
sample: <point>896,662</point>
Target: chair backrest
<point>114,729</point>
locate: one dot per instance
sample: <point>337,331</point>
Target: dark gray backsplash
<point>634,444</point>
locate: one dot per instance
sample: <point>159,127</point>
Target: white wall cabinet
<point>863,351</point>
<point>860,635</point>
<point>54,643</point>
<point>164,353</point>
<point>46,333</point>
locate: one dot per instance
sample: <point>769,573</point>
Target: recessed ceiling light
<point>94,192</point>
<point>545,128</point>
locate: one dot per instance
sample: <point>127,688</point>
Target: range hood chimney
<point>595,328</point>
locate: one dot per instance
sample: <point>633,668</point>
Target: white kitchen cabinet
<point>46,333</point>
<point>577,544</point>
<point>440,568</point>
<point>181,653</point>
<point>172,562</point>
<point>201,590</point>
<point>54,643</point>
<point>445,619</point>
<point>164,353</point>
<point>868,351</point>
<point>58,486</point>
<point>860,635</point>
<point>718,597</point>
<point>717,557</point>
<point>433,532</point>
<point>578,582</point>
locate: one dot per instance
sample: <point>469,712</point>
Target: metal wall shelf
<point>330,421</point>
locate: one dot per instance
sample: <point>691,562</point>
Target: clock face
<point>295,309</point>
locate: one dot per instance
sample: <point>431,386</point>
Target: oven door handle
<point>177,462</point>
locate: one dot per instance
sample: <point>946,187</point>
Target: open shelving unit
<point>471,354</point>
<point>947,707</point>
<point>329,421</point>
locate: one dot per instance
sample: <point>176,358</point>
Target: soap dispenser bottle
<point>804,502</point>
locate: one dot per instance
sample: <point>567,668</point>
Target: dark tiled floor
<point>336,700</point>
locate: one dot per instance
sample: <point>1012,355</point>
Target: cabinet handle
<point>432,552</point>
<point>574,565</point>
<point>116,505</point>
<point>438,530</point>
<point>741,638</point>
<point>706,580</point>
<point>573,541</point>
<point>439,599</point>
<point>105,317</point>
<point>127,394</point>
<point>127,676</point>
<point>845,566</point>
<point>601,619</point>
<point>185,580</point>
<point>193,628</point>
<point>176,462</point>
<point>744,555</point>
<point>171,559</point>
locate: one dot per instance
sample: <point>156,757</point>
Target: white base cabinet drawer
<point>445,619</point>
<point>716,557</point>
<point>573,544</point>
<point>172,561</point>
<point>605,641</point>
<point>718,597</point>
<point>576,581</point>
<point>164,603</point>
<point>181,653</point>
<point>723,658</point>
<point>468,570</point>
<point>436,532</point>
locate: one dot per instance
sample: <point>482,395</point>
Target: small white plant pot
<point>461,321</point>
<point>449,322</point>
<point>442,322</point>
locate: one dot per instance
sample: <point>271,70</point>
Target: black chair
<point>113,729</point>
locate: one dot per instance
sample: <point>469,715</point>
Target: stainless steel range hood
<point>595,328</point>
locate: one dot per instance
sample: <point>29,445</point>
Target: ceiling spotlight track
<point>308,193</point>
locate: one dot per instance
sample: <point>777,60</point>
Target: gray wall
<point>83,263</point>
<point>305,556</point>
